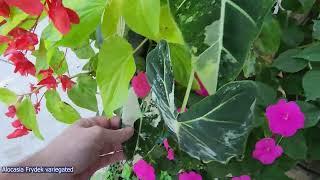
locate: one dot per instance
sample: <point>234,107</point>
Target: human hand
<point>81,146</point>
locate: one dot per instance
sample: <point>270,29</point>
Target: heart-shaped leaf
<point>211,129</point>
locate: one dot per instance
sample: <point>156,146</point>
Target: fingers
<point>116,136</point>
<point>113,123</point>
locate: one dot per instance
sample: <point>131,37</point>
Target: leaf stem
<point>280,140</point>
<point>140,45</point>
<point>138,138</point>
<point>186,96</point>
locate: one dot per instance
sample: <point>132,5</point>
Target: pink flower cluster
<point>140,85</point>
<point>285,119</point>
<point>145,171</point>
<point>170,151</point>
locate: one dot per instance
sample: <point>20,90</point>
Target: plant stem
<point>138,138</point>
<point>280,140</point>
<point>186,96</point>
<point>140,45</point>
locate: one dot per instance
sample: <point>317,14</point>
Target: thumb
<point>118,136</point>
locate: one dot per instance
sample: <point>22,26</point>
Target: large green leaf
<point>220,33</point>
<point>311,53</point>
<point>83,94</point>
<point>27,116</point>
<point>90,12</point>
<point>181,64</point>
<point>208,130</point>
<point>111,17</point>
<point>295,147</point>
<point>41,57</point>
<point>316,30</point>
<point>114,71</point>
<point>142,16</point>
<point>60,110</point>
<point>310,80</point>
<point>8,97</point>
<point>287,62</point>
<point>311,113</point>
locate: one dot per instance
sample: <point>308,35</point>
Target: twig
<point>140,45</point>
<point>186,96</point>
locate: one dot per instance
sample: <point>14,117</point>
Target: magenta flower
<point>143,170</point>
<point>243,177</point>
<point>266,151</point>
<point>170,151</point>
<point>189,176</point>
<point>140,85</point>
<point>202,91</point>
<point>285,118</point>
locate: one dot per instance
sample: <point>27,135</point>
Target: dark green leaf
<point>27,116</point>
<point>8,97</point>
<point>270,37</point>
<point>292,84</point>
<point>313,139</point>
<point>310,81</point>
<point>272,172</point>
<point>219,33</point>
<point>288,63</point>
<point>60,110</point>
<point>316,30</point>
<point>310,53</point>
<point>292,35</point>
<point>311,112</point>
<point>208,131</point>
<point>83,94</point>
<point>115,70</point>
<point>295,147</point>
<point>266,94</point>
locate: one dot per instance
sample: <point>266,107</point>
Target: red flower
<point>66,82</point>
<point>11,112</point>
<point>4,39</point>
<point>202,91</point>
<point>23,65</point>
<point>37,107</point>
<point>33,88</point>
<point>23,40</point>
<point>46,73</point>
<point>32,7</point>
<point>50,82</point>
<point>18,133</point>
<point>61,16</point>
<point>4,9</point>
<point>16,123</point>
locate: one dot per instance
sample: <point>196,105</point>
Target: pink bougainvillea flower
<point>61,16</point>
<point>66,82</point>
<point>143,170</point>
<point>179,110</point>
<point>16,123</point>
<point>140,85</point>
<point>170,152</point>
<point>18,133</point>
<point>190,176</point>
<point>266,151</point>
<point>285,118</point>
<point>243,177</point>
<point>4,9</point>
<point>50,82</point>
<point>31,7</point>
<point>46,72</point>
<point>11,112</point>
<point>202,91</point>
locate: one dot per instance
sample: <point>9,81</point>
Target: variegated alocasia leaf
<point>220,34</point>
<point>216,128</point>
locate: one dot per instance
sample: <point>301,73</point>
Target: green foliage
<point>27,116</point>
<point>60,110</point>
<point>288,62</point>
<point>83,94</point>
<point>114,72</point>
<point>312,92</point>
<point>8,97</point>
